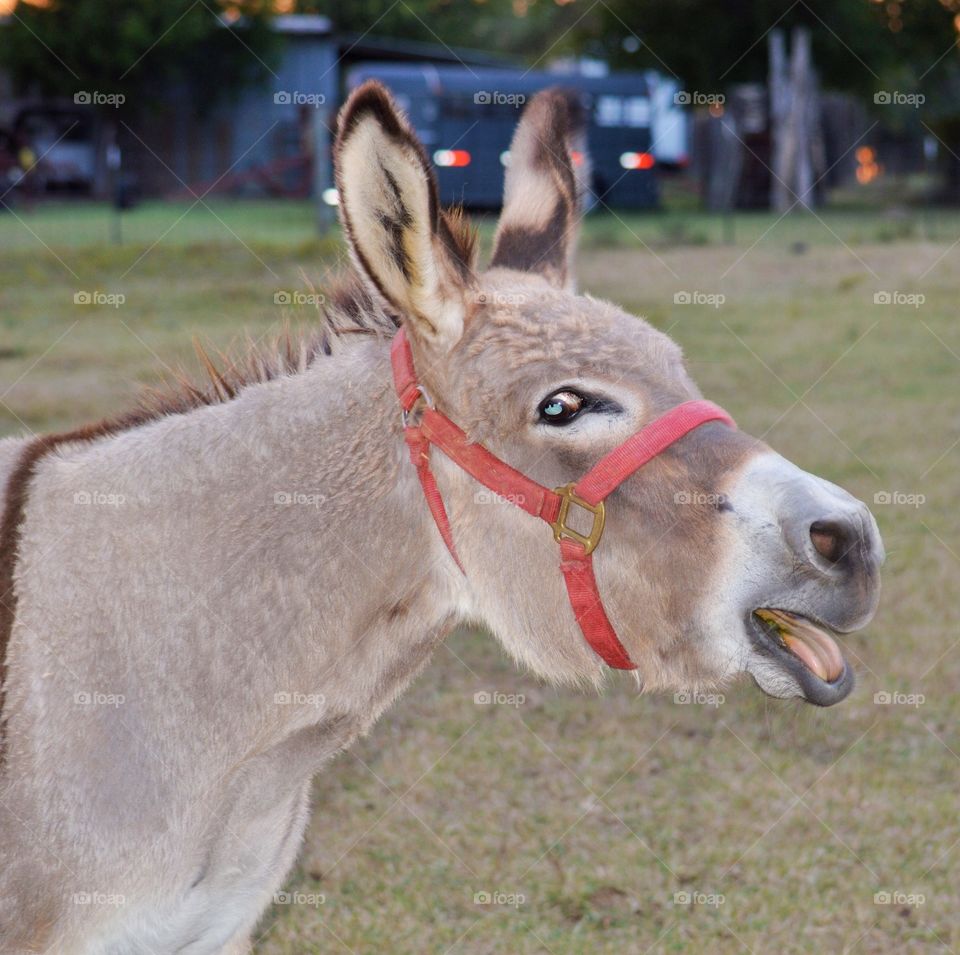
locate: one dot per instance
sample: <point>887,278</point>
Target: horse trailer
<point>465,117</point>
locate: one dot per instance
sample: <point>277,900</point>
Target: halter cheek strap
<point>553,506</point>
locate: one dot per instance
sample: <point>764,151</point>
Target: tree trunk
<point>798,154</point>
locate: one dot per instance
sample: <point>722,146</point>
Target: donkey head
<point>719,556</point>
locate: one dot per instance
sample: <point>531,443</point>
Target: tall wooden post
<point>794,122</point>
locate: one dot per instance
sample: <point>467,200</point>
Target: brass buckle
<point>560,529</point>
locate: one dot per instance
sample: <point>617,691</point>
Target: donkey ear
<point>419,258</point>
<point>545,179</point>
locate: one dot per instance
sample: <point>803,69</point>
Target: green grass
<point>598,810</point>
<point>78,225</point>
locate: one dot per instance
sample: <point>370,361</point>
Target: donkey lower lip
<point>806,651</point>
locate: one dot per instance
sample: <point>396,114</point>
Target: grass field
<point>589,820</point>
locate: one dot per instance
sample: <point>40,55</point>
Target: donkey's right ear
<point>417,257</point>
<point>545,182</point>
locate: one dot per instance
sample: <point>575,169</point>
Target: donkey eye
<point>561,407</point>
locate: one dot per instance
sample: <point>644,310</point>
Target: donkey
<point>205,600</point>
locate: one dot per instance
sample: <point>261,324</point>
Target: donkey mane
<point>351,309</point>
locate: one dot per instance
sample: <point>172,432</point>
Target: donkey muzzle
<point>834,540</point>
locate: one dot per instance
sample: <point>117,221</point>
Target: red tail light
<point>637,160</point>
<point>451,157</point>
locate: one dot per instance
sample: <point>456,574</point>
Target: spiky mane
<point>352,308</point>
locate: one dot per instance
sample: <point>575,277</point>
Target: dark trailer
<point>465,117</point>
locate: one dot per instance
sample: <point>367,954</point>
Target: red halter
<point>589,492</point>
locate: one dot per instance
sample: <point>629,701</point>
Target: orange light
<point>575,155</point>
<point>868,168</point>
<point>451,157</point>
<point>637,160</point>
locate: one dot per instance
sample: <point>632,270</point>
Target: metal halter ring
<point>424,397</point>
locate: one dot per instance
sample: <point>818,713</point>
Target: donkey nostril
<point>831,539</point>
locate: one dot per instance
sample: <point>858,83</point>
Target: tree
<point>711,45</point>
<point>531,30</point>
<point>125,51</point>
<point>900,49</point>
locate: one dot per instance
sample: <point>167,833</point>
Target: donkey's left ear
<point>419,258</point>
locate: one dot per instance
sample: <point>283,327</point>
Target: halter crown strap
<point>552,506</point>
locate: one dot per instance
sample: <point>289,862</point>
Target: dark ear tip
<point>564,110</point>
<point>576,114</point>
<point>369,99</point>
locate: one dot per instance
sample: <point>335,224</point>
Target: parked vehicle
<point>466,117</point>
<point>62,140</point>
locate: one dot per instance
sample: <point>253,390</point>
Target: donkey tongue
<point>812,645</point>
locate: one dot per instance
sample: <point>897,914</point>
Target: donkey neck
<point>365,586</point>
<point>283,566</point>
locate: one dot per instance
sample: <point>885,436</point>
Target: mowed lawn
<point>559,823</point>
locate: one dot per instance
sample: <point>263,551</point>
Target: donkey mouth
<point>805,649</point>
<point>813,645</point>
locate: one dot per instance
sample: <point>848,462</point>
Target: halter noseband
<point>576,549</point>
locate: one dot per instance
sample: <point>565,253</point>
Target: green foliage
<point>134,48</point>
<point>534,31</point>
<point>711,45</point>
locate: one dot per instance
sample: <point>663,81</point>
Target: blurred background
<point>749,105</point>
<point>773,184</point>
